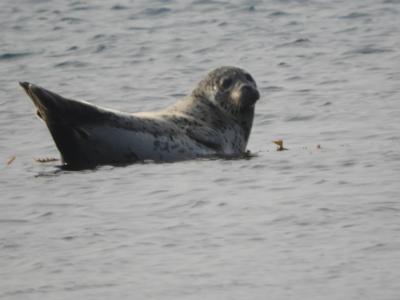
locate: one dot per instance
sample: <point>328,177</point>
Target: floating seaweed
<point>10,160</point>
<point>46,159</point>
<point>280,145</point>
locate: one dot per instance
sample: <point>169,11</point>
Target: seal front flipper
<point>206,136</point>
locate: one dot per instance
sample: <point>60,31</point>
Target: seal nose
<point>249,94</point>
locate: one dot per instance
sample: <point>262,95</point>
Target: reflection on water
<point>310,222</point>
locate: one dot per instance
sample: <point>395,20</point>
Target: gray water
<point>313,222</point>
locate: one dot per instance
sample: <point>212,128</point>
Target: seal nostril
<point>250,93</point>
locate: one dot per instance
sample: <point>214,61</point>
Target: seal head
<point>234,92</point>
<point>231,89</point>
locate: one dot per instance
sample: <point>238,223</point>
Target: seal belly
<point>110,145</point>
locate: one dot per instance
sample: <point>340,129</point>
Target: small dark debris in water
<point>318,146</point>
<point>280,145</point>
<point>46,159</point>
<point>10,160</point>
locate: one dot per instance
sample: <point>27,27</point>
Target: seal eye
<point>226,83</point>
<point>249,78</point>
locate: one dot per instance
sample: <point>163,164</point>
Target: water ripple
<point>305,215</point>
<point>13,221</point>
<point>14,55</point>
<point>354,15</point>
<point>156,11</point>
<point>298,42</point>
<point>119,7</point>
<point>299,118</point>
<point>368,50</point>
<point>71,63</point>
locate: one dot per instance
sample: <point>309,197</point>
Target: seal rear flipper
<point>57,109</point>
<point>67,140</point>
<point>67,121</point>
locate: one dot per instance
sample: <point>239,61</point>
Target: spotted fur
<point>215,119</point>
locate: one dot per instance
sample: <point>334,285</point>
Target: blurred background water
<point>308,223</point>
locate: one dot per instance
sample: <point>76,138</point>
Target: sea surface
<point>318,221</point>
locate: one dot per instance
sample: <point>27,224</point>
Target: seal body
<point>214,120</point>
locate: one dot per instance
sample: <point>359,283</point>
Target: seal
<point>214,120</point>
